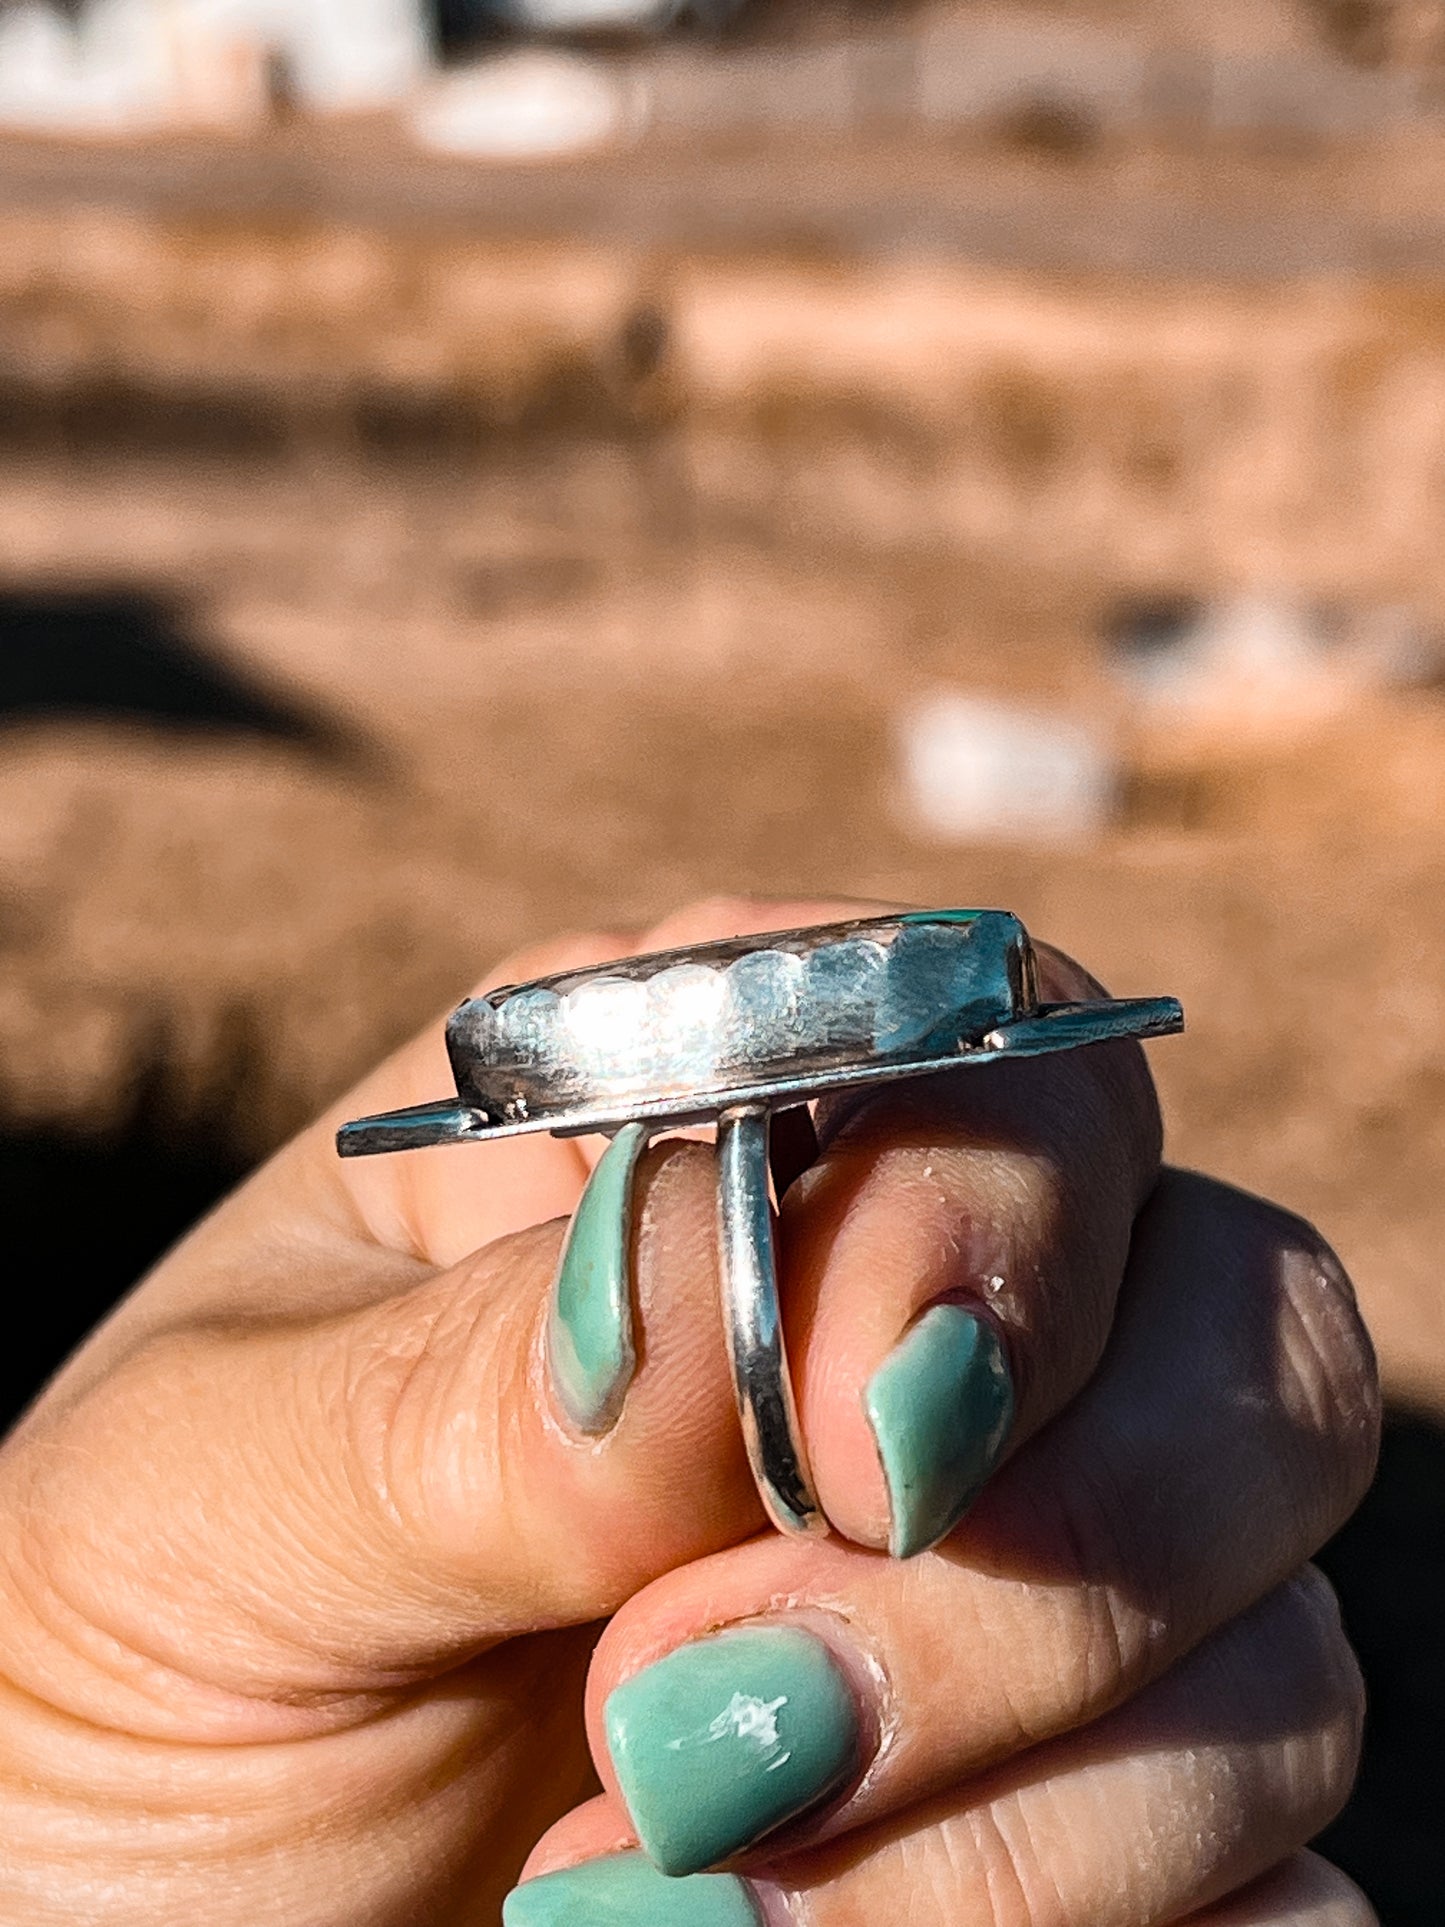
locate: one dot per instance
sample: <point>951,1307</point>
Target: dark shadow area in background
<point>123,653</point>
<point>1388,1566</point>
<point>85,1217</point>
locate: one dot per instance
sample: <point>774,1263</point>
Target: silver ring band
<point>757,1352</point>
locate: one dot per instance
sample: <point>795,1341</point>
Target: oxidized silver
<point>727,1033</point>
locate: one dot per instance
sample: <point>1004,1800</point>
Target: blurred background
<point>473,467</point>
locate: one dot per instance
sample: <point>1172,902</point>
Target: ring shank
<point>755,1333</point>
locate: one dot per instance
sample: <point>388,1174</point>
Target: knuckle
<point>1108,1631</point>
<point>572,950</point>
<point>1306,1890</point>
<point>1062,977</point>
<point>707,919</point>
<point>1331,1381</point>
<point>991,1851</point>
<point>1348,1907</point>
<point>726,915</point>
<point>419,1386</point>
<point>1332,1695</point>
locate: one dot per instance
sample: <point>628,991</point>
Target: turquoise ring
<point>728,1034</point>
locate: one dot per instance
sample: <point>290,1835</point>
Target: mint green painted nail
<point>940,1406</point>
<point>590,1347</point>
<point>727,1738</point>
<point>626,1890</point>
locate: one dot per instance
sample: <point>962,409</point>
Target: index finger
<point>952,1262</point>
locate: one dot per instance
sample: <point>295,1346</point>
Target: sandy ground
<point>560,710</point>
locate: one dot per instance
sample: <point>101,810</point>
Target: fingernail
<point>590,1350</point>
<point>625,1889</point>
<point>727,1738</point>
<point>940,1406</point>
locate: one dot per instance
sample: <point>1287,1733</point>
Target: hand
<point>302,1575</point>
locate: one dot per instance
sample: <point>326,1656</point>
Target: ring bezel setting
<point>677,1037</point>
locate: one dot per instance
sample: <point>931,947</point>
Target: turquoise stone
<point>590,1348</point>
<point>728,1737</point>
<point>626,1890</point>
<point>943,916</point>
<point>940,1406</point>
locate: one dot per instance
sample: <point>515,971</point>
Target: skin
<point>310,1601</point>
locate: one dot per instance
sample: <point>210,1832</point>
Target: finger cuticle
<point>940,1407</point>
